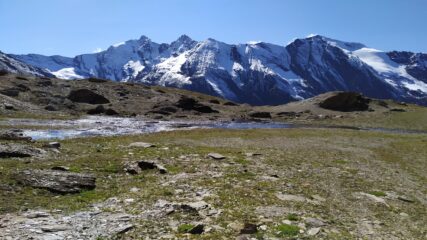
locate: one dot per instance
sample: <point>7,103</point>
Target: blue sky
<point>81,26</point>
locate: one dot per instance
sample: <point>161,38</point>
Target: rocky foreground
<point>217,184</point>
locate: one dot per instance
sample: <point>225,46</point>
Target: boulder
<point>187,103</point>
<point>216,156</point>
<point>11,92</point>
<point>56,181</point>
<point>141,145</point>
<point>260,115</point>
<point>18,151</point>
<point>13,135</point>
<point>345,102</point>
<point>98,110</point>
<point>87,96</point>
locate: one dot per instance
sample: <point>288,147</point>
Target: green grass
<point>286,230</point>
<point>185,228</point>
<point>293,217</point>
<point>378,193</point>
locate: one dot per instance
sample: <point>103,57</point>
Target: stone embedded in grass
<point>249,228</point>
<point>216,156</point>
<point>314,222</point>
<point>137,167</point>
<point>313,231</point>
<point>56,181</point>
<point>374,198</point>
<point>19,151</point>
<point>55,145</point>
<point>289,197</point>
<point>55,228</point>
<point>141,145</point>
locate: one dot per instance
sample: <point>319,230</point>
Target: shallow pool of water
<point>112,126</point>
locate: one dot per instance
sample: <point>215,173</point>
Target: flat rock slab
<point>216,156</point>
<point>13,135</point>
<point>141,145</point>
<point>14,150</point>
<point>289,197</point>
<point>57,181</point>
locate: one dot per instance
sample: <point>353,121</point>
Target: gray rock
<point>19,151</point>
<point>314,222</point>
<point>313,231</point>
<point>13,135</point>
<point>55,145</point>
<point>216,156</point>
<point>141,145</point>
<point>132,168</point>
<point>54,228</point>
<point>56,181</point>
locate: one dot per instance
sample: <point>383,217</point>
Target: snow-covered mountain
<point>9,64</point>
<point>255,73</point>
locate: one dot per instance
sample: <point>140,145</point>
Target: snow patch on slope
<point>67,73</point>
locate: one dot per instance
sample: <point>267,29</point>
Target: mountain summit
<point>255,73</point>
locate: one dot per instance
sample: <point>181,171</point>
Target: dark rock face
<point>87,96</point>
<point>187,103</point>
<point>260,115</point>
<point>11,92</point>
<point>57,181</point>
<point>346,102</point>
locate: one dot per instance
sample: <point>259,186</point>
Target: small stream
<point>113,126</point>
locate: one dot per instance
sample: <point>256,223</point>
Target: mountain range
<point>257,73</point>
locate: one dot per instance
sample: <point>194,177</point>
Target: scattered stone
<point>289,197</point>
<point>55,145</point>
<point>260,115</point>
<point>345,102</point>
<point>271,211</point>
<point>8,106</point>
<point>132,168</point>
<point>313,231</point>
<point>36,214</point>
<point>55,228</point>
<point>402,214</point>
<point>374,198</point>
<point>87,96</point>
<point>198,229</point>
<point>314,222</point>
<point>123,229</point>
<point>249,228</point>
<point>250,154</point>
<point>141,145</point>
<point>406,199</point>
<point>56,181</point>
<point>61,168</point>
<point>216,156</point>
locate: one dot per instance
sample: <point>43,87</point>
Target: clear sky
<point>71,27</point>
